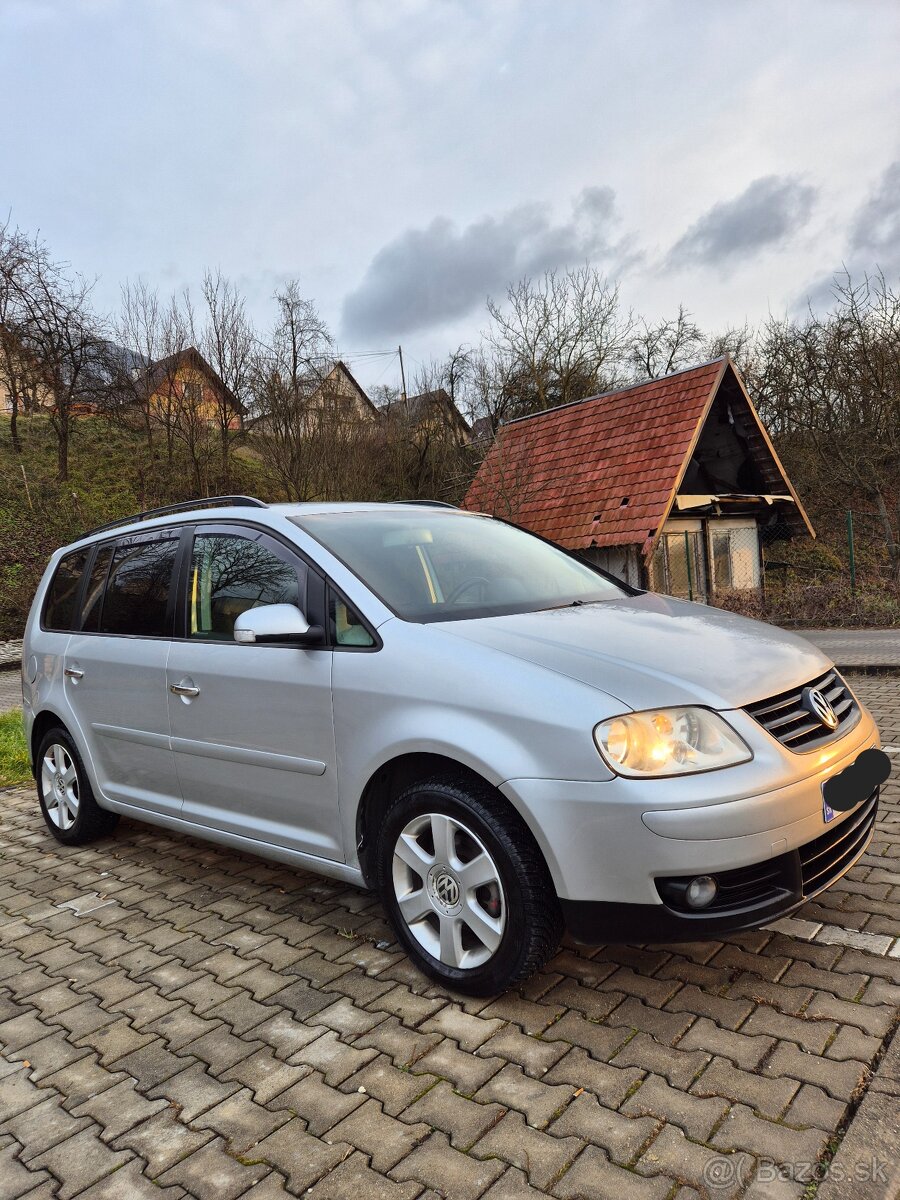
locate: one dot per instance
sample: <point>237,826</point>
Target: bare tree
<point>228,343</point>
<point>17,372</point>
<point>48,316</point>
<point>832,396</point>
<point>288,393</point>
<point>665,346</point>
<point>558,339</point>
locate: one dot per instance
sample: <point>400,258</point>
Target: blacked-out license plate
<point>855,783</point>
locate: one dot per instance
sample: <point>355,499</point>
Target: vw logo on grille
<point>446,889</point>
<point>819,706</point>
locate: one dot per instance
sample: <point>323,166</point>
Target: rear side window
<point>62,595</point>
<point>231,573</point>
<point>137,594</point>
<point>93,595</point>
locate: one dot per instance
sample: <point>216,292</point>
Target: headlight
<point>669,741</point>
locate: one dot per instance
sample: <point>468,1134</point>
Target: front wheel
<point>466,887</point>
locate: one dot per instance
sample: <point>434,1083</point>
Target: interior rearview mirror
<point>277,623</point>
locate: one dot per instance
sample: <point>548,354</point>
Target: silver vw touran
<point>501,739</point>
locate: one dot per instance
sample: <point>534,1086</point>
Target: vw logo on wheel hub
<point>818,705</point>
<point>444,889</point>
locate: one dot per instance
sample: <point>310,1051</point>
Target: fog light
<point>701,891</point>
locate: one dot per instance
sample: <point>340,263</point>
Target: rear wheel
<point>67,802</point>
<point>466,887</point>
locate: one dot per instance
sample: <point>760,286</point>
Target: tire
<point>65,795</point>
<point>466,887</point>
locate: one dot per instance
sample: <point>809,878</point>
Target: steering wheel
<point>462,588</point>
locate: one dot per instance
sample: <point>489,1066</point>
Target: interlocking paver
<point>593,1175</point>
<point>696,1116</point>
<point>161,1140</point>
<point>540,1102</point>
<point>194,1090</point>
<point>81,1161</point>
<point>741,1130</point>
<point>241,1121</point>
<point>463,1120</point>
<point>16,1179</point>
<point>676,1156</point>
<point>769,1096</point>
<point>385,1139</point>
<point>354,1178</point>
<point>541,1156</point>
<point>128,1183</point>
<point>300,1157</point>
<point>437,1165</point>
<point>231,1017</point>
<point>39,1128</point>
<point>213,1171</point>
<point>118,1109</point>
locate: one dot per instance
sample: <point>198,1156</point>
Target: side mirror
<point>281,624</point>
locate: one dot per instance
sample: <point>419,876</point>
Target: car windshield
<point>448,566</point>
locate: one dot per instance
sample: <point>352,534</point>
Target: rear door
<point>252,726</point>
<point>115,669</point>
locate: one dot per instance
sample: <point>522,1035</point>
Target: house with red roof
<point>672,484</point>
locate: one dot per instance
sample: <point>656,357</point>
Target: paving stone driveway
<point>179,1020</point>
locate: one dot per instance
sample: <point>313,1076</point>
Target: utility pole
<point>403,379</point>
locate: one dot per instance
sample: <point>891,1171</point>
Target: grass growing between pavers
<point>13,751</point>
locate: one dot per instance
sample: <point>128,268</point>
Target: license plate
<point>855,783</point>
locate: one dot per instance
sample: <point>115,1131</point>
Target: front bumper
<point>608,843</point>
<point>748,897</point>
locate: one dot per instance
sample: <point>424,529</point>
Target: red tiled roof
<point>600,472</point>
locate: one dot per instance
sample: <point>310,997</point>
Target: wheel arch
<point>399,773</point>
<point>44,720</point>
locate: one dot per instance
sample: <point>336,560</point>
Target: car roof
<point>263,514</point>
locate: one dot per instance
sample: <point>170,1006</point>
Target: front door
<point>252,727</point>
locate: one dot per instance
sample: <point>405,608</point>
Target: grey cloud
<point>427,276</point>
<point>875,231</point>
<point>763,215</point>
<point>873,244</point>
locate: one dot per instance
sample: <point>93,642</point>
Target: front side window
<point>59,610</point>
<point>447,566</point>
<point>137,594</point>
<point>232,573</point>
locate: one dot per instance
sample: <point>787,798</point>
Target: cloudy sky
<point>407,158</point>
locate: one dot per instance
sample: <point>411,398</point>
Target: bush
<point>876,604</point>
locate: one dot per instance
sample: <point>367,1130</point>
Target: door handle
<point>181,689</point>
<point>73,672</point>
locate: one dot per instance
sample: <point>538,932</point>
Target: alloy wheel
<point>449,891</point>
<point>59,784</point>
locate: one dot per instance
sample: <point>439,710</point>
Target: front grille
<point>830,855</point>
<point>784,717</point>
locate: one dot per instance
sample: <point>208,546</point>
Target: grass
<point>13,752</point>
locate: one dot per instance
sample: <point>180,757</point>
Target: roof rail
<point>184,506</point>
<point>428,503</point>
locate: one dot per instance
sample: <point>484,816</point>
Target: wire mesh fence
<point>765,570</point>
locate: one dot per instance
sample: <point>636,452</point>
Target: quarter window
<point>62,595</point>
<point>137,595</point>
<point>230,574</point>
<point>347,628</point>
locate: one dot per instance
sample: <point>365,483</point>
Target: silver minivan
<point>500,738</point>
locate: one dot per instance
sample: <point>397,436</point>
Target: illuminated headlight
<point>669,741</point>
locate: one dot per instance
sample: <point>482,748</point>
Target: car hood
<point>651,650</point>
